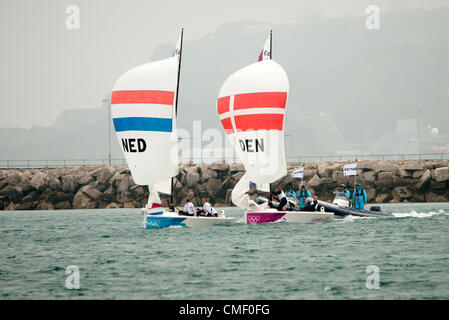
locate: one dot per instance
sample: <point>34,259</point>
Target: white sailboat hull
<point>166,219</point>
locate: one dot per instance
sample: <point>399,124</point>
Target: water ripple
<point>118,259</point>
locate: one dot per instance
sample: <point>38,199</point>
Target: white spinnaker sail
<point>164,187</point>
<point>251,106</point>
<point>144,117</point>
<point>142,108</point>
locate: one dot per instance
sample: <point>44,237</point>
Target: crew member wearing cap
<point>345,191</point>
<point>359,197</point>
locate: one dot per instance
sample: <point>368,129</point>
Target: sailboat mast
<point>271,57</point>
<point>176,101</point>
<point>271,42</point>
<point>179,73</point>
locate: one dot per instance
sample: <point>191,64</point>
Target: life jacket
<point>345,191</point>
<point>357,193</point>
<point>303,193</point>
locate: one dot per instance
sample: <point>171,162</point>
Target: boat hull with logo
<point>272,215</point>
<point>166,219</point>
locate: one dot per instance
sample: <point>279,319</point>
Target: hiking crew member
<point>313,205</point>
<point>292,193</point>
<point>359,197</point>
<point>281,197</point>
<point>302,196</point>
<point>208,209</point>
<point>189,209</point>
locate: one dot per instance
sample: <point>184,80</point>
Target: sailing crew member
<point>209,211</point>
<point>313,205</point>
<point>345,191</point>
<point>302,196</point>
<point>281,197</point>
<point>291,192</point>
<point>189,209</point>
<point>359,197</point>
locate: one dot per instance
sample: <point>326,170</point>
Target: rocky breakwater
<point>90,187</point>
<point>70,188</point>
<point>109,187</point>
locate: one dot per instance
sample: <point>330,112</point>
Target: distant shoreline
<point>90,187</point>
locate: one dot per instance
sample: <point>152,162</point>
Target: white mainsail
<point>251,105</point>
<point>265,187</point>
<point>143,110</point>
<point>239,194</point>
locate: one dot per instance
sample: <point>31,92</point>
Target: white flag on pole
<point>299,173</point>
<point>350,169</point>
<point>265,54</point>
<point>177,51</point>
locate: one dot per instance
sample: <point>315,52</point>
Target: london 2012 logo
<point>253,219</point>
<point>153,224</point>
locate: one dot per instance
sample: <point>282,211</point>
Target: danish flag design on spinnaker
<point>251,106</point>
<point>252,111</point>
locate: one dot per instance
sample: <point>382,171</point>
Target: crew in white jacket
<point>189,209</point>
<point>208,209</point>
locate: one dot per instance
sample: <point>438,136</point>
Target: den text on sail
<point>252,145</point>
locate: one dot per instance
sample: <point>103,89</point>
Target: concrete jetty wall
<point>110,187</point>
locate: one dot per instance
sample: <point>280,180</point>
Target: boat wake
<point>351,218</point>
<point>176,227</point>
<point>415,214</point>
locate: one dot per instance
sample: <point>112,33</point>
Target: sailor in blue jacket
<point>359,197</point>
<point>302,195</point>
<point>291,192</point>
<point>345,190</point>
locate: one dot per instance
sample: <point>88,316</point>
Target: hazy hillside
<point>365,80</point>
<point>348,85</point>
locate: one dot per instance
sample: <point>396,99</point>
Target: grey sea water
<point>118,259</point>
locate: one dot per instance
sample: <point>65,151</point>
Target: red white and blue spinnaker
<point>143,109</point>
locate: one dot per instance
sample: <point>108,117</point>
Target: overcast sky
<point>47,68</point>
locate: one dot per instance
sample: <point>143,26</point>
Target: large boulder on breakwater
<point>82,201</point>
<point>192,175</point>
<point>13,192</point>
<point>70,183</point>
<point>425,178</point>
<point>441,174</point>
<point>39,181</point>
